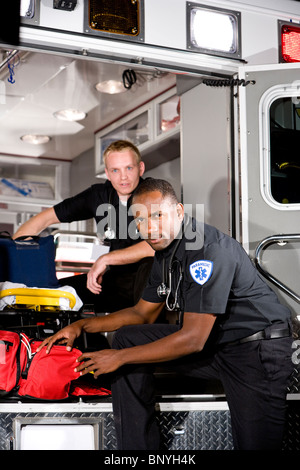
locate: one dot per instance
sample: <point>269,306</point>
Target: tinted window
<point>285,150</point>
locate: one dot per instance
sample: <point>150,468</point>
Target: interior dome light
<point>110,86</point>
<point>290,43</point>
<point>214,31</point>
<point>35,139</point>
<point>70,115</point>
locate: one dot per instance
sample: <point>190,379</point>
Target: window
<point>280,146</point>
<point>285,150</point>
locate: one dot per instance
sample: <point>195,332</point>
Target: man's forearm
<point>110,322</point>
<point>129,255</point>
<point>37,223</point>
<point>135,315</point>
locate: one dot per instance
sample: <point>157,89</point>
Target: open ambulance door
<point>270,175</point>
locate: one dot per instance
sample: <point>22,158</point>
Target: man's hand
<point>99,362</point>
<point>65,336</point>
<point>121,257</point>
<point>95,275</point>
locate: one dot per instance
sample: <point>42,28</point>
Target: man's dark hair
<point>153,184</point>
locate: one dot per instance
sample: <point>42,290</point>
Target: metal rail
<point>281,240</point>
<point>93,236</point>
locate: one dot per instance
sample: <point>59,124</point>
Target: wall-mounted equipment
<point>68,5</point>
<point>122,19</point>
<point>29,12</point>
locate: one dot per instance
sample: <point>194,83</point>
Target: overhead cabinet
<point>154,128</point>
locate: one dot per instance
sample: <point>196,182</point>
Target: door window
<point>285,150</point>
<point>279,139</point>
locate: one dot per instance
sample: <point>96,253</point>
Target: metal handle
<point>58,233</point>
<point>280,240</point>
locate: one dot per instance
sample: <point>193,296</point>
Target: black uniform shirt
<point>219,278</point>
<point>87,205</point>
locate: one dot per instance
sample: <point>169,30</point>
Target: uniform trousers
<point>254,375</point>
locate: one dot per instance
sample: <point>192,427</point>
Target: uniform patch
<point>201,271</point>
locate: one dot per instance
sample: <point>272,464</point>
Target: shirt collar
<point>192,232</point>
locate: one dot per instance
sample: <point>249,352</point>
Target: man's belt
<point>271,334</point>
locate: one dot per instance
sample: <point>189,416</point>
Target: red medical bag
<point>35,374</point>
<point>31,374</point>
<point>49,375</point>
<point>13,359</point>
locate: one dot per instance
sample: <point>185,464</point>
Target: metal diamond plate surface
<point>186,430</point>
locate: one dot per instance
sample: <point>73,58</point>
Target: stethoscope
<point>165,291</point>
<point>109,233</point>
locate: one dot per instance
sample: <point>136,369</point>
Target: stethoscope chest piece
<point>109,233</point>
<point>162,290</point>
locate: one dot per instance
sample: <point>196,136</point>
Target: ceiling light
<point>70,115</point>
<point>213,31</point>
<point>110,86</point>
<point>35,139</point>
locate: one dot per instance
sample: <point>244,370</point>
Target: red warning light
<point>290,43</point>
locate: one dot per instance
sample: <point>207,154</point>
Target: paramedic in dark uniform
<point>233,328</point>
<point>120,275</point>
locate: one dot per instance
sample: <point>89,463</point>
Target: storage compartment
<point>31,180</point>
<point>184,426</point>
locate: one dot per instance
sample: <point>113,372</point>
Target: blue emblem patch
<point>201,271</point>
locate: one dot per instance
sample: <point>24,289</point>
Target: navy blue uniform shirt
<point>218,278</point>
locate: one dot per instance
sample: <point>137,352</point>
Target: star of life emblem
<point>201,271</point>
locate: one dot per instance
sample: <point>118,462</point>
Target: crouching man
<point>232,328</point>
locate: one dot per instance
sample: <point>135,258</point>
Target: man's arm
<point>143,312</point>
<point>131,254</point>
<point>37,223</point>
<point>190,339</point>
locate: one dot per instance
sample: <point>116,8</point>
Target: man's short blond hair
<point>120,146</point>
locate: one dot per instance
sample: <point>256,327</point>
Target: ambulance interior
<point>48,153</point>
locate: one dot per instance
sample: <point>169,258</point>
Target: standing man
<point>117,278</point>
<point>232,328</point>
